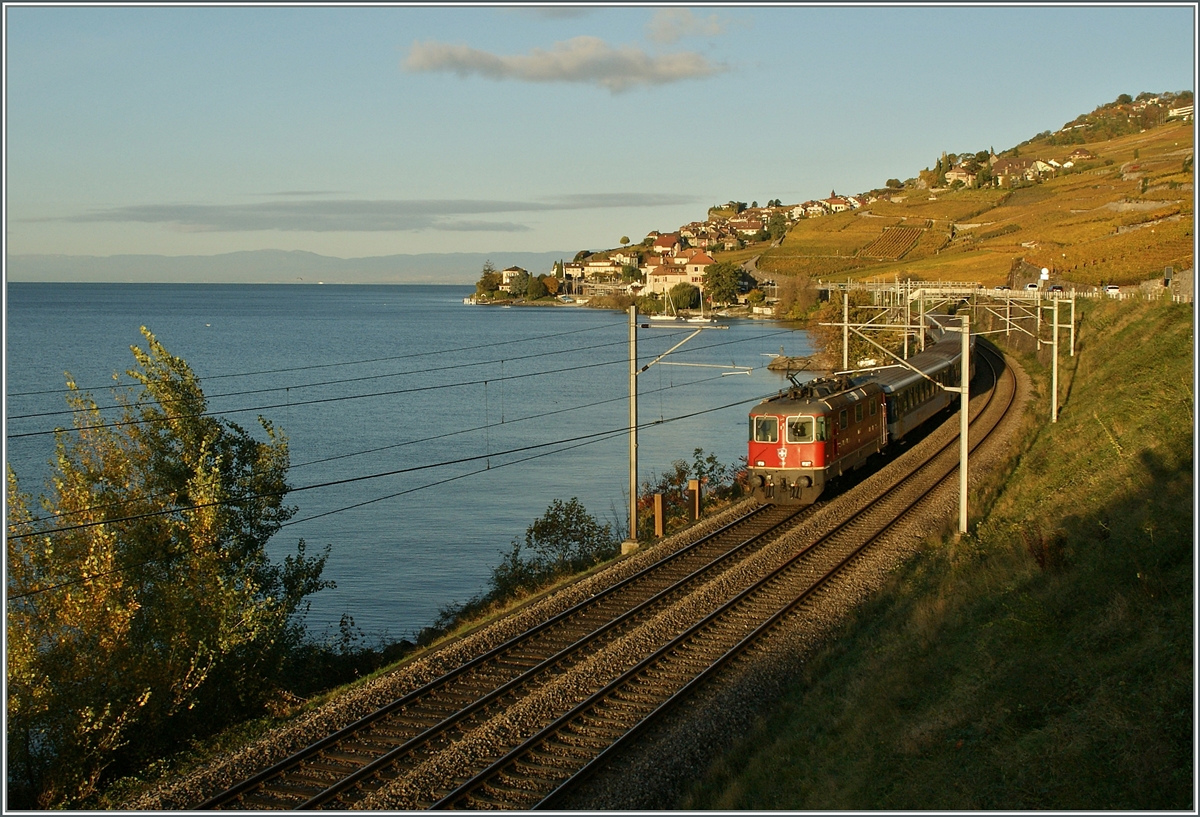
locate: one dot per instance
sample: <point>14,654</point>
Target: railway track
<point>343,766</point>
<point>521,724</point>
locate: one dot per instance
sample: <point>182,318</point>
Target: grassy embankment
<point>1045,660</point>
<point>1120,218</point>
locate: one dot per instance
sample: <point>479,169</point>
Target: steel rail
<point>596,763</point>
<point>257,781</point>
<point>430,733</point>
<point>588,642</point>
<point>498,767</point>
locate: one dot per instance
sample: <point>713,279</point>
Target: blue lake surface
<point>425,380</point>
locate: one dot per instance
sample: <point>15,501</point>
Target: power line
<point>365,477</point>
<point>489,426</point>
<point>406,443</point>
<point>123,568</point>
<point>329,382</point>
<point>362,378</point>
<point>314,401</point>
<point>352,362</point>
<point>613,435</point>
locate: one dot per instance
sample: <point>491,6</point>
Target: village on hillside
<point>658,265</point>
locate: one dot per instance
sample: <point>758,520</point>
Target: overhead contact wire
<point>353,362</point>
<point>379,475</point>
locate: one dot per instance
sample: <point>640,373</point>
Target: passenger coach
<point>814,432</point>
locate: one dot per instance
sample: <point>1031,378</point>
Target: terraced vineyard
<point>893,244</point>
<point>1118,219</point>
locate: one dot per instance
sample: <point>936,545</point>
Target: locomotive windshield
<point>800,429</point>
<point>765,429</point>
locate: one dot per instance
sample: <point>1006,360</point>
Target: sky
<point>376,130</point>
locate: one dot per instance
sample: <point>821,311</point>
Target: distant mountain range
<point>273,267</point>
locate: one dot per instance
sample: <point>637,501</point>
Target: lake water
<point>439,389</point>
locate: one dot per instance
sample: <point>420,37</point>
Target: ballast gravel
<point>659,769</point>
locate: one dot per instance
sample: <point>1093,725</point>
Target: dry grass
<point>1043,662</point>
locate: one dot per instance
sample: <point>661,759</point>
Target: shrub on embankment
<point>1045,660</point>
<point>567,541</point>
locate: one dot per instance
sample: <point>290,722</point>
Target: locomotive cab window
<point>858,412</point>
<point>800,429</point>
<point>842,423</point>
<point>822,430</point>
<point>765,429</point>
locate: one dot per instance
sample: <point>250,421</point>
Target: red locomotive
<point>814,432</point>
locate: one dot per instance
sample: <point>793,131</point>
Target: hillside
<point>1120,217</point>
<point>1043,661</point>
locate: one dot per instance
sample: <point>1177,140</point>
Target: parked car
<point>1056,288</point>
<point>1031,286</point>
<point>1002,287</point>
<point>1112,290</point>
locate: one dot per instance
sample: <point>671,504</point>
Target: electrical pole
<point>1054,369</point>
<point>963,423</point>
<point>633,422</point>
<point>845,330</point>
<point>631,544</point>
<point>1072,323</point>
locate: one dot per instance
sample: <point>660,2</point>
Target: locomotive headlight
<point>757,481</point>
<point>804,482</point>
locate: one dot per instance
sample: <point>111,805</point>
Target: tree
<point>776,226</point>
<point>518,284</point>
<point>551,283</point>
<point>894,184</point>
<point>1124,99</point>
<point>624,240</point>
<point>563,540</point>
<point>535,288</point>
<point>489,280</point>
<point>829,336</point>
<point>685,296</point>
<point>143,607</point>
<point>721,281</point>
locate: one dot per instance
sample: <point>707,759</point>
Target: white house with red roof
<point>666,243</point>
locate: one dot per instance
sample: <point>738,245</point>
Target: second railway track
<point>514,726</point>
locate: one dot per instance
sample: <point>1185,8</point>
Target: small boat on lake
<point>701,318</point>
<point>667,316</point>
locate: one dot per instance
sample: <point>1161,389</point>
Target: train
<point>810,434</point>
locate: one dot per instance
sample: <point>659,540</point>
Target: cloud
<point>364,215</point>
<point>671,24</point>
<point>587,60</point>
